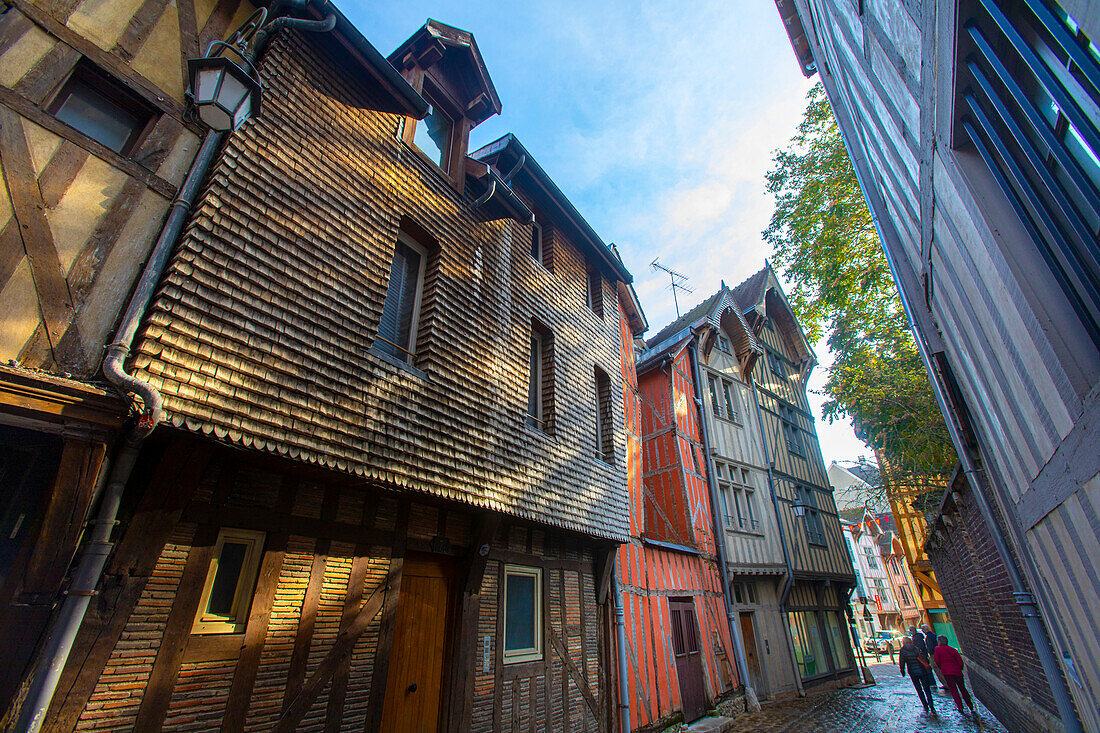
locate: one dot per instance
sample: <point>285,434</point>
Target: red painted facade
<point>671,549</point>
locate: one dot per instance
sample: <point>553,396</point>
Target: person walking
<point>931,641</point>
<point>913,660</point>
<point>950,662</point>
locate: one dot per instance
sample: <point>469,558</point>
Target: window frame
<point>535,380</point>
<point>728,398</point>
<point>235,623</point>
<point>536,242</point>
<point>414,319</point>
<point>605,432</point>
<point>90,76</point>
<point>436,100</point>
<point>529,654</point>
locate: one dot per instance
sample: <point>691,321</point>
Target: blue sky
<point>657,119</point>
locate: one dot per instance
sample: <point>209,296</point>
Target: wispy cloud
<point>657,119</point>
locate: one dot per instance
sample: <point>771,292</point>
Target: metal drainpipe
<point>620,634</point>
<point>1024,599</point>
<point>782,541</point>
<point>98,545</point>
<point>752,704</point>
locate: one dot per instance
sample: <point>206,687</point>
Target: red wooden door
<point>414,684</point>
<point>689,658</point>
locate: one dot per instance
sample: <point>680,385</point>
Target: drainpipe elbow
<point>152,403</point>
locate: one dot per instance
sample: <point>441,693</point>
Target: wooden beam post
<point>465,664</point>
<point>389,621</point>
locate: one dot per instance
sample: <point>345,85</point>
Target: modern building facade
<point>390,484</point>
<point>974,128</point>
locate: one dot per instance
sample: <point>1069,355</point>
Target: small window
<point>101,108</point>
<point>536,242</point>
<point>534,381</point>
<point>540,378</point>
<point>776,364</point>
<point>522,614</point>
<point>731,404</point>
<point>227,595</point>
<point>605,436</point>
<point>594,292</point>
<point>715,403</point>
<point>401,310</point>
<point>724,344</point>
<point>434,133</point>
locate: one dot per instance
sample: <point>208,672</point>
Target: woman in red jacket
<point>950,663</point>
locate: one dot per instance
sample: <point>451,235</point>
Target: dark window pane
<point>225,581</point>
<point>534,387</point>
<point>97,117</point>
<point>536,242</point>
<point>677,633</point>
<point>519,624</point>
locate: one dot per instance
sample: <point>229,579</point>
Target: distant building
<point>856,487</point>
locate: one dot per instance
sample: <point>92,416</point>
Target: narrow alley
<point>889,706</point>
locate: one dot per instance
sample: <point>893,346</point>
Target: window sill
<point>749,532</point>
<point>536,430</point>
<point>738,423</point>
<point>395,362</point>
<point>435,167</point>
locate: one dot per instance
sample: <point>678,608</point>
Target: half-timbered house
<point>390,480</point>
<point>745,516</point>
<point>820,574</point>
<point>94,144</point>
<point>974,129</point>
<point>681,655</point>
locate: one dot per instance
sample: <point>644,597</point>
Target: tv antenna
<point>677,281</point>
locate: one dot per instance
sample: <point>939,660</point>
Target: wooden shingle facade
<point>974,128</point>
<point>353,516</point>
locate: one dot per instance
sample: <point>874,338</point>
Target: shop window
<point>522,614</point>
<point>227,594</point>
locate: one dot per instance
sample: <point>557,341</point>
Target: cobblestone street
<point>891,705</point>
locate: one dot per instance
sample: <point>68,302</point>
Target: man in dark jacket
<point>913,660</point>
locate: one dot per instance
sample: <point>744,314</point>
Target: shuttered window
<point>605,443</point>
<point>1028,100</point>
<point>397,329</point>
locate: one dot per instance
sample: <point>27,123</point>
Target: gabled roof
<point>710,311</point>
<point>507,154</point>
<point>457,50</point>
<point>762,292</point>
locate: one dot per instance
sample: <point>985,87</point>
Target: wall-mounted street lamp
<point>224,94</point>
<point>798,508</point>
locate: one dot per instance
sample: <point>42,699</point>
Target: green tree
<point>827,247</point>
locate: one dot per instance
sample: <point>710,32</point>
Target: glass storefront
<point>809,652</point>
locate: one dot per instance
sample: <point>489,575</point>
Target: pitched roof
<point>699,311</point>
<point>751,292</point>
<point>438,42</point>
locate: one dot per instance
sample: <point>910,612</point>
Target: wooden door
<point>414,684</point>
<point>689,658</point>
<point>752,660</point>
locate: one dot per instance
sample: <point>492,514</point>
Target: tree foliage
<point>827,247</point>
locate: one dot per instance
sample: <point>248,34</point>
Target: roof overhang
<point>494,198</point>
<point>435,42</point>
<point>402,99</point>
<point>504,153</point>
<point>788,11</point>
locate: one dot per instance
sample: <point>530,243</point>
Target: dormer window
<point>434,135</point>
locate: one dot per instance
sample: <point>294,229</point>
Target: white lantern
<point>224,94</point>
